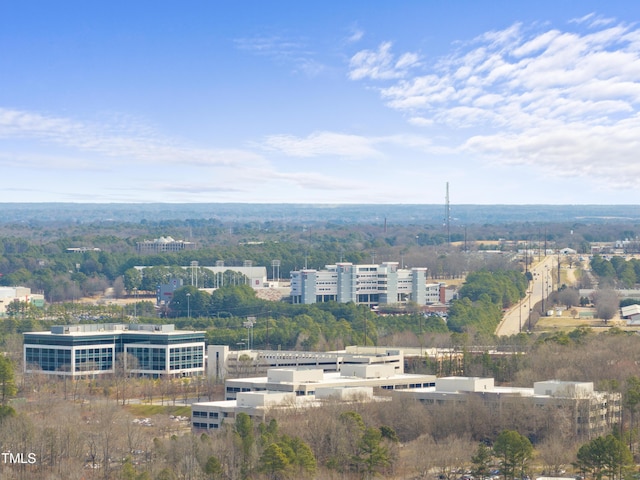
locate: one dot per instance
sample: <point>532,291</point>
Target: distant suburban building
<point>164,244</point>
<point>290,387</point>
<point>631,313</point>
<point>371,285</point>
<point>223,363</point>
<point>254,276</point>
<point>164,292</point>
<point>592,413</point>
<point>94,349</point>
<point>21,294</point>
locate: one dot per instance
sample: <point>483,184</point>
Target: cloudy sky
<point>320,102</point>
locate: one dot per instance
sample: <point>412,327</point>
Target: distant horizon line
<point>328,204</point>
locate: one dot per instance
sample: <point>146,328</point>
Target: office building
<point>223,363</point>
<point>94,349</point>
<point>163,245</point>
<point>300,388</point>
<point>20,294</point>
<point>371,285</point>
<point>591,413</point>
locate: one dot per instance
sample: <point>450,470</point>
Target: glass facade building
<point>149,350</point>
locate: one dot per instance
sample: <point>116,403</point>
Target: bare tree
<point>118,287</point>
<point>103,433</point>
<point>556,452</point>
<point>569,297</point>
<point>122,376</point>
<point>422,464</point>
<point>408,418</point>
<point>607,304</point>
<point>450,455</point>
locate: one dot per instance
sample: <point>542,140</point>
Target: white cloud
<point>322,143</point>
<point>292,52</point>
<point>318,181</point>
<point>273,46</point>
<point>421,121</point>
<point>381,64</point>
<point>498,38</point>
<point>340,145</point>
<point>563,100</point>
<point>194,188</point>
<point>606,154</point>
<point>122,145</point>
<point>48,162</point>
<point>583,19</point>
<point>99,152</point>
<point>592,20</point>
<point>356,34</point>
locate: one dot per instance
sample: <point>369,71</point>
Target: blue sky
<point>320,102</point>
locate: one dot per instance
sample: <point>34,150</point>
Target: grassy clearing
<point>567,322</point>
<point>141,410</point>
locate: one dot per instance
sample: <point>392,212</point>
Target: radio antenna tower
<point>447,216</point>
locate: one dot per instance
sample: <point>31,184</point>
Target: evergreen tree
<point>213,468</point>
<point>373,456</point>
<point>482,462</point>
<point>605,457</point>
<point>7,380</point>
<point>514,452</point>
<point>300,456</point>
<point>274,462</point>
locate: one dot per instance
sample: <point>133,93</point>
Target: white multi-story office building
<point>288,387</point>
<point>224,363</point>
<point>592,413</point>
<point>372,285</point>
<point>94,349</point>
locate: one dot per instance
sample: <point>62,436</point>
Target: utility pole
<point>542,291</point>
<point>520,312</point>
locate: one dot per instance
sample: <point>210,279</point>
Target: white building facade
<point>21,294</point>
<point>288,387</point>
<point>371,285</point>
<point>591,412</point>
<point>223,363</point>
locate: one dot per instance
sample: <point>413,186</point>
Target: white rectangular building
<point>288,387</point>
<point>593,413</point>
<point>94,349</point>
<point>371,285</point>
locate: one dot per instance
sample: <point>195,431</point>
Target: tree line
<point>616,272</point>
<point>36,255</point>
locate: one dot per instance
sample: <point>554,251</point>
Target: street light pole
<point>249,326</point>
<point>188,306</point>
<point>520,312</point>
<point>542,291</point>
<point>529,318</point>
<point>135,303</point>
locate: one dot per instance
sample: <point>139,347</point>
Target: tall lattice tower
<point>447,216</point>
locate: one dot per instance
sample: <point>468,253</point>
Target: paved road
<point>516,319</point>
